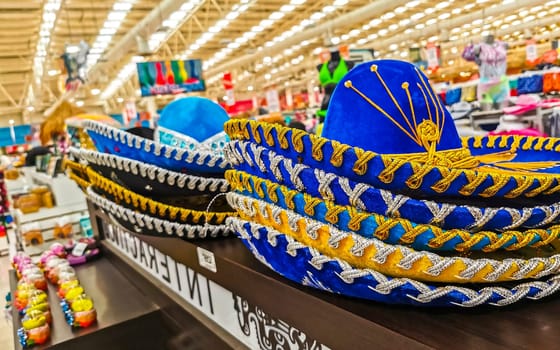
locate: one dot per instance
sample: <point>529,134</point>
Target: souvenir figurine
<point>35,329</point>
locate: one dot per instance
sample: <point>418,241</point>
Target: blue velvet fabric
<point>376,166</point>
<point>369,225</point>
<point>196,117</point>
<point>298,269</point>
<point>106,144</point>
<point>352,120</point>
<point>414,210</point>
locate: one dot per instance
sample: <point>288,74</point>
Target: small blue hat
<point>189,140</point>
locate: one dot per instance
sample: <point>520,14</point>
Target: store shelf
<point>338,322</point>
<point>126,317</point>
<point>49,213</point>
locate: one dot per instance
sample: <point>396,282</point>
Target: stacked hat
<point>171,185</point>
<point>391,205</point>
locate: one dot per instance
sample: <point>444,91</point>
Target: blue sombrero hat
<point>473,217</point>
<point>189,138</point>
<point>386,127</point>
<point>391,199</point>
<point>302,264</point>
<point>390,230</point>
<point>147,179</point>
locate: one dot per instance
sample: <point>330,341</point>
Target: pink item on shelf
<point>521,132</point>
<point>524,104</point>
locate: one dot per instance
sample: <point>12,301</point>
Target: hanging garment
<point>493,59</point>
<point>493,90</point>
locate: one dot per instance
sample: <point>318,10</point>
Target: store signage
<point>170,77</point>
<point>129,112</point>
<point>531,53</point>
<point>248,323</point>
<point>272,100</point>
<point>432,53</point>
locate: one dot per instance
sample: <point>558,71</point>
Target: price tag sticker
<point>206,259</point>
<point>79,249</point>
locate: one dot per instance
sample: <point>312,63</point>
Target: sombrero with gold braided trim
<point>306,265</point>
<point>147,179</point>
<point>397,260</point>
<point>142,223</point>
<point>189,138</point>
<point>471,217</point>
<point>193,209</point>
<point>389,230</point>
<point>386,127</point>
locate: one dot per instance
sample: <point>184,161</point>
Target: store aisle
<point>6,335</point>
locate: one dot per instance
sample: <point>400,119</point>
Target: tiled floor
<point>6,335</point>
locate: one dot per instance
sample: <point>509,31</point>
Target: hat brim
<point>115,141</point>
<point>145,224</point>
<point>147,179</point>
<point>390,230</point>
<point>395,260</point>
<point>305,265</point>
<point>154,208</point>
<point>261,162</point>
<point>510,166</point>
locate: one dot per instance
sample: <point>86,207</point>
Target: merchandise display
<point>279,222</point>
<point>173,203</point>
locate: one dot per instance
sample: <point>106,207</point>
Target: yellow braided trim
<point>84,184</point>
<point>518,141</point>
<point>155,208</point>
<point>239,129</point>
<point>391,266</point>
<point>74,166</point>
<point>239,182</point>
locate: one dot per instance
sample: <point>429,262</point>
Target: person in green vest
<point>330,73</point>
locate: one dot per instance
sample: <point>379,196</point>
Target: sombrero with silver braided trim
<point>142,223</point>
<point>189,138</point>
<point>386,127</point>
<point>396,260</point>
<point>173,213</point>
<point>266,164</point>
<point>147,179</point>
<point>305,265</point>
<point>390,230</point>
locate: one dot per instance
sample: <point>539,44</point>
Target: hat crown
<point>193,122</point>
<point>389,107</point>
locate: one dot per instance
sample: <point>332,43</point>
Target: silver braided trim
<point>386,285</point>
<point>151,172</point>
<point>394,202</point>
<point>161,226</point>
<point>205,157</point>
<point>439,264</point>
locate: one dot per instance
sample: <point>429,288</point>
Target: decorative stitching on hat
<point>327,180</point>
<point>126,138</point>
<point>242,129</point>
<point>463,241</point>
<point>161,226</point>
<point>155,208</point>
<point>382,284</point>
<point>151,172</point>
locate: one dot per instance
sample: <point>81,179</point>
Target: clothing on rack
<point>530,84</point>
<point>493,90</point>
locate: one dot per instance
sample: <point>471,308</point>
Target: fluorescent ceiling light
<point>442,5</point>
<point>388,15</point>
<point>287,8</point>
<point>107,31</point>
<point>232,15</point>
<point>374,22</point>
<point>329,9</point>
<point>266,23</point>
<point>79,103</point>
<point>417,16</point>
<point>297,2</point>
<point>393,27</point>
<point>340,2</point>
<point>53,72</point>
<point>116,16</point>
<point>400,9</point>
<point>122,6</point>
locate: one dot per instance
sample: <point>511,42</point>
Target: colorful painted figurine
<point>34,330</point>
<point>78,309</point>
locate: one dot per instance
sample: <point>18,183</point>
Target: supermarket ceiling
<point>260,41</point>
